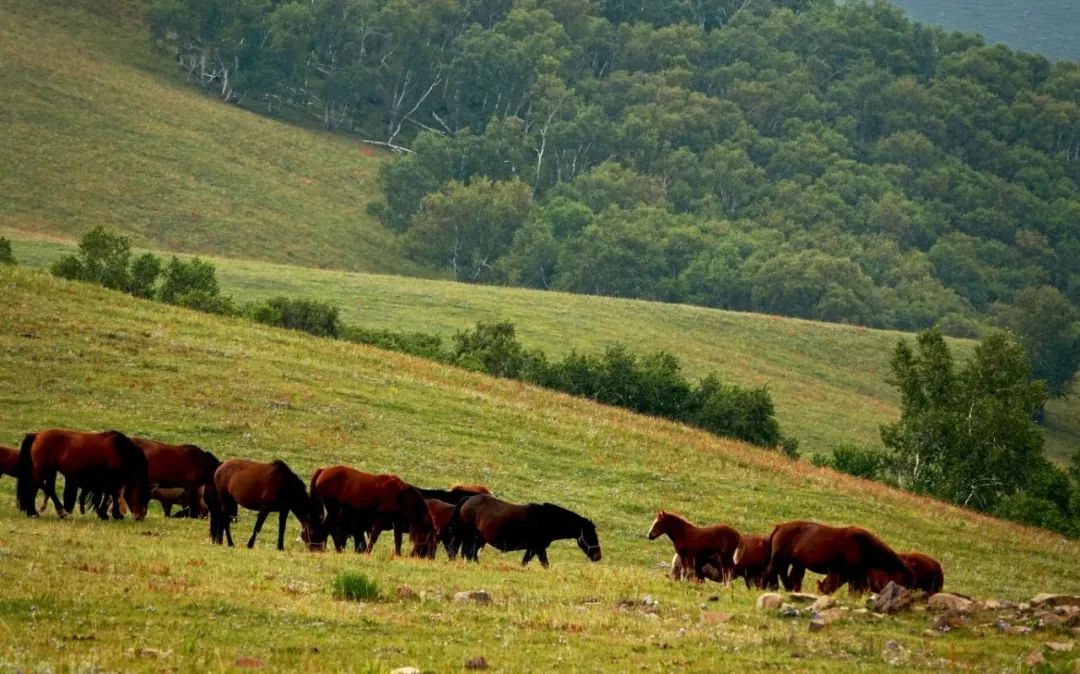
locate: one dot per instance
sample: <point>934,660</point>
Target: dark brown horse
<point>265,488</point>
<point>171,497</point>
<point>849,553</point>
<point>928,575</point>
<point>484,519</point>
<point>441,512</point>
<point>187,467</point>
<point>698,546</point>
<point>456,493</point>
<point>107,462</point>
<point>9,461</point>
<point>355,502</point>
<point>752,560</point>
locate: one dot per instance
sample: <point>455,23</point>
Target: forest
<point>799,157</point>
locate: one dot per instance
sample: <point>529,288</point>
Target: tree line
<point>810,158</point>
<point>651,384</point>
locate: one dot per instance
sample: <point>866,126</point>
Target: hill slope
<point>828,380</point>
<point>99,130</point>
<point>80,356</point>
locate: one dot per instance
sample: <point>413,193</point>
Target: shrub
<point>182,277</point>
<point>68,267</point>
<point>861,462</point>
<point>789,446</point>
<point>6,256</point>
<point>103,259</point>
<point>144,274</point>
<point>311,316</point>
<point>492,348</point>
<point>414,343</point>
<point>200,300</point>
<point>723,409</point>
<point>353,586</point>
<point>1027,509</point>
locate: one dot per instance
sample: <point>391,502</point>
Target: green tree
<point>1048,326</point>
<point>181,278</point>
<point>144,274</point>
<point>102,258</point>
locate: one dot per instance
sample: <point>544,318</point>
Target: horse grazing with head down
<point>697,546</point>
<point>186,467</point>
<point>752,560</point>
<point>926,572</point>
<point>355,502</point>
<point>846,554</point>
<point>266,488</point>
<point>106,462</point>
<point>484,519</point>
<point>441,512</point>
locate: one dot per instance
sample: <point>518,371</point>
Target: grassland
<point>99,129</point>
<point>828,381</point>
<point>80,595</point>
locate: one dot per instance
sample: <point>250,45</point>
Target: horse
<point>109,462</point>
<point>441,512</point>
<point>185,466</point>
<point>484,519</point>
<point>456,492</point>
<point>169,497</point>
<point>263,487</point>
<point>698,546</point>
<point>355,502</point>
<point>752,560</point>
<point>848,553</point>
<point>927,575</point>
<point>9,461</point>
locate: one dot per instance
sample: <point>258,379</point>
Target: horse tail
<point>455,530</point>
<point>213,507</point>
<point>26,487</point>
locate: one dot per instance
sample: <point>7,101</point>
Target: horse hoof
<point>62,514</point>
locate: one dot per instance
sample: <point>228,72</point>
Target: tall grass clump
<point>352,586</point>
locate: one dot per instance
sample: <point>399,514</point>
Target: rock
<point>822,603</point>
<point>788,611</point>
<point>249,663</point>
<point>476,663</point>
<point>769,601</point>
<point>949,620</point>
<point>817,624</point>
<point>892,599</point>
<point>478,596</point>
<point>891,645</point>
<point>1046,600</point>
<point>1051,619</point>
<point>997,604</point>
<point>648,600</point>
<point>943,601</point>
<point>406,670</point>
<point>1058,646</point>
<point>1034,659</point>
<point>830,615</point>
<point>406,593</point>
<point>802,597</point>
<point>1023,606</point>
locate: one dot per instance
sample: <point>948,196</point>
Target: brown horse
<point>355,502</point>
<point>9,461</point>
<point>170,497</point>
<point>187,467</point>
<point>455,494</point>
<point>849,553</point>
<point>698,546</point>
<point>266,488</point>
<point>752,560</point>
<point>107,462</point>
<point>441,512</point>
<point>926,576</point>
<point>484,519</point>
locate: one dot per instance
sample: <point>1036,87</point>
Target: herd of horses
<point>109,470</point>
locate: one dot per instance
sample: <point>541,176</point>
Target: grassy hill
<point>100,130</point>
<point>828,380</point>
<point>153,595</point>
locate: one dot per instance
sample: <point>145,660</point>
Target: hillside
<point>99,129</point>
<point>84,357</point>
<point>828,381</point>
<point>1042,26</point>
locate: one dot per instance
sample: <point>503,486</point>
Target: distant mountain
<point>1048,27</point>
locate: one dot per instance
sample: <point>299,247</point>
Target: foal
<point>698,546</point>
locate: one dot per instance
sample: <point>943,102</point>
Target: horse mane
<point>677,517</point>
<point>131,455</point>
<point>473,488</point>
<point>566,513</point>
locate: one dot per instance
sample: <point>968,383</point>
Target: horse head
<point>659,525</point>
<point>588,541</point>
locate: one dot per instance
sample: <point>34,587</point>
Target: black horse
<point>484,519</point>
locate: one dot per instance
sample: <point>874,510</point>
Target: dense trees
<point>805,157</point>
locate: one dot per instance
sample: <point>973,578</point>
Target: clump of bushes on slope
<point>651,384</point>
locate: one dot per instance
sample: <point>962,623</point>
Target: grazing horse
<point>752,560</point>
<point>927,572</point>
<point>188,467</point>
<point>355,502</point>
<point>170,497</point>
<point>484,519</point>
<point>266,488</point>
<point>441,512</point>
<point>456,493</point>
<point>107,462</point>
<point>849,554</point>
<point>9,461</point>
<point>698,546</point>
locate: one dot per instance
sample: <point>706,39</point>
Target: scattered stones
<point>830,615</point>
<point>817,625</point>
<point>476,663</point>
<point>1034,659</point>
<point>715,617</point>
<point>997,604</point>
<point>1059,646</point>
<point>769,601</point>
<point>1047,600</point>
<point>406,593</point>
<point>822,603</point>
<point>789,611</point>
<point>478,596</point>
<point>949,620</point>
<point>802,597</point>
<point>943,601</point>
<point>406,670</point>
<point>891,599</point>
<point>247,662</point>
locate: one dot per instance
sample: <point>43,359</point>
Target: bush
<point>103,259</point>
<point>1027,509</point>
<point>200,300</point>
<point>6,256</point>
<point>746,414</point>
<point>144,274</point>
<point>68,267</point>
<point>493,348</point>
<point>352,586</point>
<point>861,462</point>
<point>414,343</point>
<point>182,277</point>
<point>311,316</point>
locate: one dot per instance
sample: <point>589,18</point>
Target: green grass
<point>353,586</point>
<point>84,595</point>
<point>99,129</point>
<point>828,380</point>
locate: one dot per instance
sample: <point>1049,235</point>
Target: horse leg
<point>117,514</point>
<point>376,529</point>
<point>528,557</point>
<point>399,531</point>
<point>71,495</point>
<point>283,519</point>
<point>541,554</point>
<point>49,485</point>
<point>796,577</point>
<point>259,519</point>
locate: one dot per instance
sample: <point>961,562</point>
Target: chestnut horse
<point>698,546</point>
<point>355,502</point>
<point>266,488</point>
<point>928,575</point>
<point>484,519</point>
<point>848,553</point>
<point>108,462</point>
<point>752,560</point>
<point>187,467</point>
<point>441,512</point>
<point>456,493</point>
